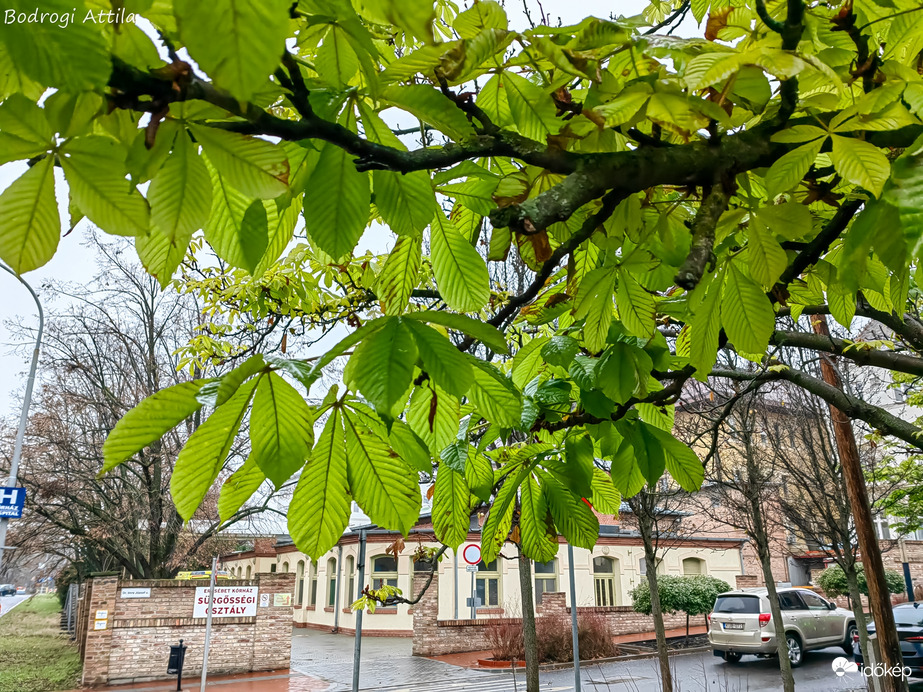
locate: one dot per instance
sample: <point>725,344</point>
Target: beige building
<point>604,576</point>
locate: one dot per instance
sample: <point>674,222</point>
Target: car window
<point>813,601</point>
<point>788,600</point>
<point>908,617</point>
<point>737,604</point>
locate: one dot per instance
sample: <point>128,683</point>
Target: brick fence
<point>134,644</point>
<point>434,637</point>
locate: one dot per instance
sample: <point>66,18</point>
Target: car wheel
<point>732,657</point>
<point>795,650</point>
<point>851,632</point>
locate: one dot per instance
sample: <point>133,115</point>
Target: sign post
<point>471,554</point>
<point>208,622</point>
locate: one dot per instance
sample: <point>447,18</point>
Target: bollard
<point>175,664</point>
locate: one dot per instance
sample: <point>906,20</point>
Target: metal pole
<point>455,558</point>
<point>573,616</point>
<point>357,651</point>
<point>474,612</point>
<point>336,597</point>
<point>208,622</point>
<point>27,400</point>
<point>908,582</point>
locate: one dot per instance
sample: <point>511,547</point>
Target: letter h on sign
<point>11,502</point>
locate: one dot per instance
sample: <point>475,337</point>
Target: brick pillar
<point>98,643</point>
<point>554,605</point>
<point>272,635</point>
<point>747,581</point>
<point>425,615</point>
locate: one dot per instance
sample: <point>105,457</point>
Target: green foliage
<point>693,595</point>
<point>654,204</point>
<point>833,581</point>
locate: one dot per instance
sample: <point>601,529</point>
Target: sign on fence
<point>230,601</point>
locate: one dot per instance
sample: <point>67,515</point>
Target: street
<point>7,602</point>
<point>388,666</point>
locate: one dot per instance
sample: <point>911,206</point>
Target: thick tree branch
<point>853,351</point>
<point>876,417</point>
<point>701,253</point>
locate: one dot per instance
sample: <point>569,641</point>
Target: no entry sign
<point>471,553</point>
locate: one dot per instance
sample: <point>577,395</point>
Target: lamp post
<point>24,415</point>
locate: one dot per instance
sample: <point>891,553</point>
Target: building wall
<point>134,646</point>
<point>718,559</point>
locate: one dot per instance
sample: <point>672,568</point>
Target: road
<point>7,602</point>
<point>387,666</point>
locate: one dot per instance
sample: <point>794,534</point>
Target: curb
<point>597,661</point>
<point>29,598</point>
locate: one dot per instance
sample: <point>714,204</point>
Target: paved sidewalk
<point>270,681</point>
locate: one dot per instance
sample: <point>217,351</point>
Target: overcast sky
<point>73,262</point>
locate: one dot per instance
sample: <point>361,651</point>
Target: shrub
<point>833,581</point>
<point>555,639</point>
<point>693,595</point>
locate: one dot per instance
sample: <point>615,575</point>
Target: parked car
<point>909,620</point>
<point>7,589</point>
<point>740,623</point>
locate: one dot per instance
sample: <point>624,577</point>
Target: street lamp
<point>24,416</point>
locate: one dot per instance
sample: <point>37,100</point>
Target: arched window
<point>285,567</point>
<point>313,584</point>
<point>693,566</point>
<point>249,573</point>
<point>384,571</point>
<point>331,582</point>
<point>351,583</point>
<point>488,584</point>
<point>299,583</point>
<point>546,578</point>
<point>606,581</point>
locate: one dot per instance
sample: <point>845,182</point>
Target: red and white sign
<point>230,601</point>
<point>471,553</point>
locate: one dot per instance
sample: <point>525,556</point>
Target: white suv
<point>740,623</point>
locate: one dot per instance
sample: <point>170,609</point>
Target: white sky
<point>75,263</point>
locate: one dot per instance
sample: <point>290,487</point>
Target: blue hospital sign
<point>11,502</point>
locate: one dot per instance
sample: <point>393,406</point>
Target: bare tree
<point>112,345</point>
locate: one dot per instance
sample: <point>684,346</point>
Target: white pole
<point>208,622</point>
<point>24,415</point>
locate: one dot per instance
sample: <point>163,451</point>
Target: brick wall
<point>134,647</point>
<point>434,637</point>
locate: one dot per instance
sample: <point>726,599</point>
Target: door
<point>796,613</point>
<point>829,626</point>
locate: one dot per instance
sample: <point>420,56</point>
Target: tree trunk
<point>879,594</point>
<point>855,598</point>
<point>755,489</point>
<point>650,556</point>
<point>529,639</point>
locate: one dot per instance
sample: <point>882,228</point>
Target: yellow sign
<point>282,599</point>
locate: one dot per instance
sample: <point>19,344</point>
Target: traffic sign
<point>11,502</point>
<point>471,553</point>
<point>471,568</point>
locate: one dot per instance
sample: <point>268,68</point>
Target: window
<point>813,601</point>
<point>605,572</point>
<point>487,584</point>
<point>285,567</point>
<point>299,583</point>
<point>642,566</point>
<point>882,527</point>
<point>546,579</point>
<point>788,600</point>
<point>313,584</point>
<point>272,568</point>
<point>331,582</point>
<point>248,571</point>
<point>384,571</point>
<point>737,604</point>
<point>351,575</point>
<point>692,566</point>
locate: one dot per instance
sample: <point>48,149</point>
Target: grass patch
<point>35,656</point>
